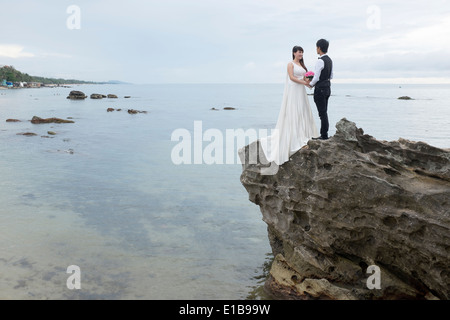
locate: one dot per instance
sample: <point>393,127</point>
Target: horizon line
<point>397,81</point>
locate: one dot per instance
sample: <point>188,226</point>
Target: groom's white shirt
<point>318,69</point>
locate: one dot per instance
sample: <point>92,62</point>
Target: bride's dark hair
<point>294,50</point>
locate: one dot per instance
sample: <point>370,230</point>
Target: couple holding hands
<point>295,125</point>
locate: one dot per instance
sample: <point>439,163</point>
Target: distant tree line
<point>9,73</point>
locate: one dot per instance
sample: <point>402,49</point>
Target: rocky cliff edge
<point>353,217</point>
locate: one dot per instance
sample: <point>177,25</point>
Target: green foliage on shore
<point>9,73</point>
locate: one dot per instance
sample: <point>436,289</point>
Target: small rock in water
<point>214,109</point>
<point>110,109</point>
<point>28,134</point>
<point>112,96</point>
<point>52,133</point>
<point>12,120</point>
<point>127,97</point>
<point>132,111</point>
<point>96,96</point>
<point>70,151</point>
<point>229,108</point>
<point>405,98</point>
<point>37,120</point>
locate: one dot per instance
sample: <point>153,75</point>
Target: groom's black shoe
<point>320,138</point>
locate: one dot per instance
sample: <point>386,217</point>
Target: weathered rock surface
<point>351,202</point>
<point>112,96</point>
<point>13,120</point>
<point>76,95</point>
<point>37,120</point>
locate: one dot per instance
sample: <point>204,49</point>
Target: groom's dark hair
<point>323,45</point>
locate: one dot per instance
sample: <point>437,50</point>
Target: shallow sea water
<point>105,195</point>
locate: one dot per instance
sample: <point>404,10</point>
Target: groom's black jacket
<point>324,79</point>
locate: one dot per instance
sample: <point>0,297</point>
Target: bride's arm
<point>290,69</point>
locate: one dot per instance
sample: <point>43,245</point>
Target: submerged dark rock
<point>405,98</point>
<point>37,120</point>
<point>346,204</point>
<point>28,134</point>
<point>133,111</point>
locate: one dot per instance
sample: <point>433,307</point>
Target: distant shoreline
<point>10,78</point>
<point>68,85</point>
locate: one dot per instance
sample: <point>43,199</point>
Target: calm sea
<point>104,194</point>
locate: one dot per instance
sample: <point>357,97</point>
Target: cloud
<point>247,40</point>
<point>417,39</point>
<point>250,65</point>
<point>404,48</point>
<point>56,55</point>
<point>14,51</point>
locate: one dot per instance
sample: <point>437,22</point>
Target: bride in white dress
<point>295,125</point>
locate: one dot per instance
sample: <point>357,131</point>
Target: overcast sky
<point>227,41</point>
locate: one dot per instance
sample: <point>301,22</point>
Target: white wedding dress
<point>295,125</point>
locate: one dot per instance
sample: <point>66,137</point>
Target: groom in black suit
<point>323,73</point>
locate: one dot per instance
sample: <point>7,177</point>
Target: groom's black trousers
<point>321,95</point>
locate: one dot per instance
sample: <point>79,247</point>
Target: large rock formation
<point>76,95</point>
<point>342,206</point>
